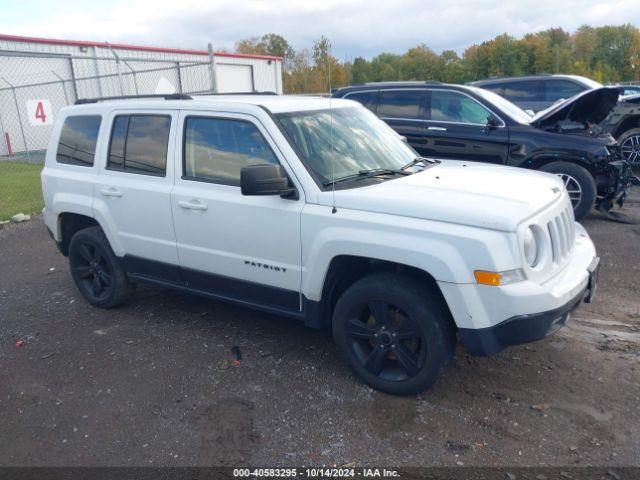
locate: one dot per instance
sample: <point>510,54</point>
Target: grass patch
<point>20,189</point>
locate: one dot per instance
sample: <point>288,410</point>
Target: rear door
<point>403,110</point>
<point>456,127</point>
<point>132,196</point>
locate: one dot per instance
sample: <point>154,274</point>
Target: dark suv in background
<point>537,92</point>
<point>469,123</point>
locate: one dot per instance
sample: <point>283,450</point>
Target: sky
<point>354,27</point>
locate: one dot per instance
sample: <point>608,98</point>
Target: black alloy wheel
<point>386,341</point>
<point>395,331</point>
<point>92,270</point>
<point>96,270</point>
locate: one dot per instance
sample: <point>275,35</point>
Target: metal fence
<point>38,85</point>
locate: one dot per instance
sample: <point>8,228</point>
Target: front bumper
<point>491,318</point>
<point>620,181</point>
<point>527,328</point>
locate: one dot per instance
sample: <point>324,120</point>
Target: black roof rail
<point>170,96</point>
<point>242,93</point>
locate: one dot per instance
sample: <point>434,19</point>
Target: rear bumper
<point>527,328</point>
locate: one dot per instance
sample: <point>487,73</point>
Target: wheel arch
<point>68,224</point>
<point>539,162</point>
<point>629,123</point>
<point>344,270</point>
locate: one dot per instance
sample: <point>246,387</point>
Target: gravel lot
<point>151,383</point>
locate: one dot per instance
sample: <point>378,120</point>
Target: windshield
<point>515,112</point>
<point>345,141</point>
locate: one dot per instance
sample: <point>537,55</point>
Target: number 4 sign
<point>39,112</point>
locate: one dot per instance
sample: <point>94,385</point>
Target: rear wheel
<point>395,333</point>
<point>579,183</point>
<point>629,143</point>
<point>96,270</point>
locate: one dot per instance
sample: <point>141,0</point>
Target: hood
<point>587,108</point>
<point>467,193</point>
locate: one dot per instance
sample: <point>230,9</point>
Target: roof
<point>488,81</point>
<point>123,46</point>
<point>407,83</point>
<point>273,103</point>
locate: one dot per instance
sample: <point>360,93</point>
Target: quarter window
<point>216,149</point>
<point>78,138</point>
<point>454,107</point>
<point>139,144</point>
<point>400,103</point>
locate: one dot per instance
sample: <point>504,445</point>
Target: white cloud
<point>355,27</point>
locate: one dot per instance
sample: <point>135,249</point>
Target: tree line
<point>606,54</point>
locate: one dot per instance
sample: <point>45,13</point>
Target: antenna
<point>333,171</point>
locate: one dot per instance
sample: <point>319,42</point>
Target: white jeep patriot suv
<point>315,209</point>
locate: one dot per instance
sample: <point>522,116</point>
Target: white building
<point>39,76</point>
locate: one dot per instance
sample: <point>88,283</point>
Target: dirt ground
<point>151,383</point>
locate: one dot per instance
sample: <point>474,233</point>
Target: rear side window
<point>400,103</point>
<point>365,98</point>
<point>77,144</point>
<point>557,89</point>
<point>216,149</point>
<point>495,88</point>
<point>139,144</point>
<point>524,91</point>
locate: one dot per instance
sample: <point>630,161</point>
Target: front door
<point>244,248</point>
<point>456,128</point>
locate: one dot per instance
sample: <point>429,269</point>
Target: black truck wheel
<point>96,270</point>
<point>394,332</point>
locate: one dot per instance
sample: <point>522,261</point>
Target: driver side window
<point>216,149</point>
<point>447,106</point>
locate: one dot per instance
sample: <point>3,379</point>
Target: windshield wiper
<point>373,172</point>
<point>420,160</point>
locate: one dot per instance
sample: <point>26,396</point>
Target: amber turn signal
<point>487,278</point>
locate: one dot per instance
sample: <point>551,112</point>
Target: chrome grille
<point>562,232</point>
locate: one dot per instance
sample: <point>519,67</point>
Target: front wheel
<point>579,183</point>
<point>629,143</point>
<point>394,332</point>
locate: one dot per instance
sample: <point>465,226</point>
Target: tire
<point>372,317</point>
<point>579,183</point>
<point>629,143</point>
<point>96,270</point>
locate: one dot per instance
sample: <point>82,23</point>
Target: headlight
<point>530,247</point>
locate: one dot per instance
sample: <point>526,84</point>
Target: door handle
<point>111,192</point>
<point>192,205</point>
<point>437,129</point>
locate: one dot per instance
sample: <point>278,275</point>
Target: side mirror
<point>266,180</point>
<point>492,122</point>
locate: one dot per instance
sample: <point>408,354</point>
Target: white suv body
<point>457,229</point>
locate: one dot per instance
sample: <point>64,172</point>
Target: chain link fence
<point>30,98</point>
<point>34,87</point>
